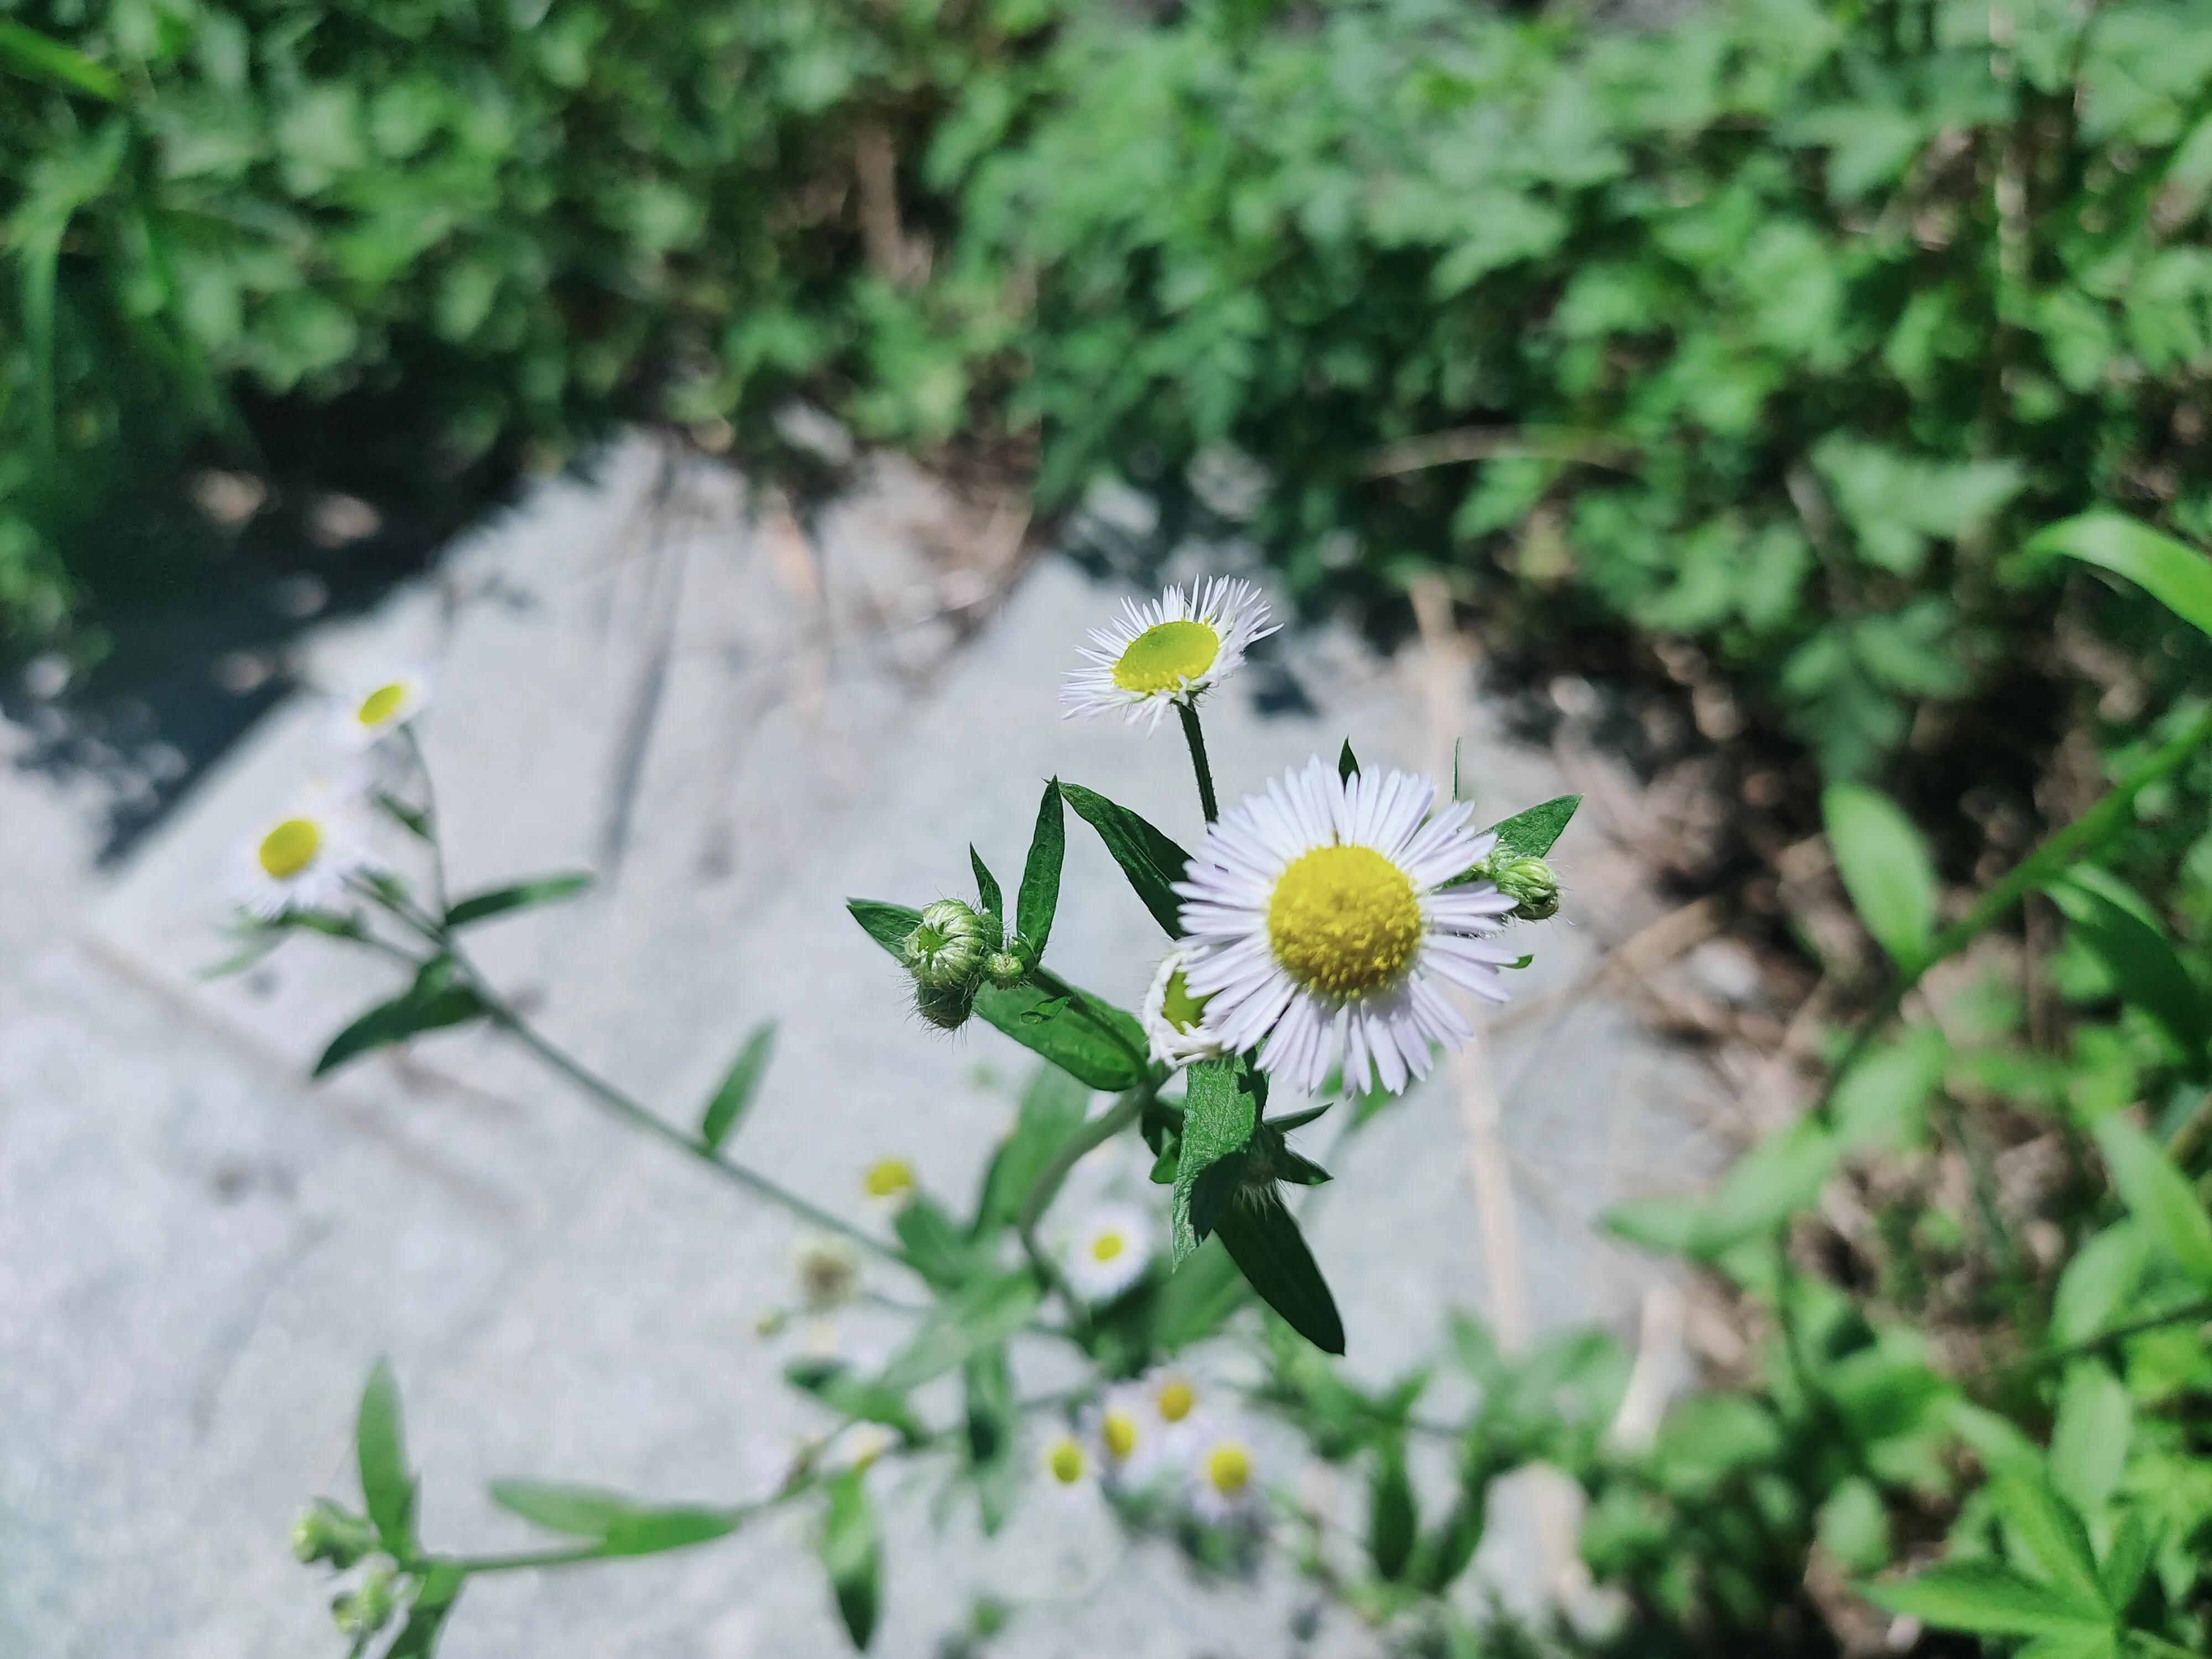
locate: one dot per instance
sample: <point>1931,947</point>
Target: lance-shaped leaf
<point>1039,900</point>
<point>981,1315</point>
<point>41,58</point>
<point>739,1084</point>
<point>850,1395</point>
<point>1271,1252</point>
<point>543,890</point>
<point>1052,1109</point>
<point>994,1436</point>
<point>2175,574</point>
<point>1151,861</point>
<point>437,999</point>
<point>1392,1519</point>
<point>934,1247</point>
<point>1347,763</point>
<point>1196,1299</point>
<point>1884,868</point>
<point>619,1525</point>
<point>1532,834</point>
<point>2113,921</point>
<point>388,1486</point>
<point>849,1555</point>
<point>2158,1195</point>
<point>1989,1598</point>
<point>987,885</point>
<point>1220,1112</point>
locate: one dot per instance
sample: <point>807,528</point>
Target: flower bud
<point>1532,886</point>
<point>1006,968</point>
<point>326,1531</point>
<point>946,950</point>
<point>366,1608</point>
<point>947,1007</point>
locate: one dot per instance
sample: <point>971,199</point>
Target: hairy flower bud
<point>1531,884</point>
<point>366,1608</point>
<point>327,1532</point>
<point>1006,968</point>
<point>946,1007</point>
<point>946,949</point>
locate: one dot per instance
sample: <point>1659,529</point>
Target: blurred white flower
<point>1166,651</point>
<point>301,859</point>
<point>1221,1477</point>
<point>1110,1253</point>
<point>374,706</point>
<point>888,1183</point>
<point>828,1270</point>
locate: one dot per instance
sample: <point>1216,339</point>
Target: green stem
<point>436,837</point>
<point>1189,709</point>
<point>1096,1132</point>
<point>2103,1339</point>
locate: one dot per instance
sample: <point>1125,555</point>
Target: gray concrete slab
<point>649,675</point>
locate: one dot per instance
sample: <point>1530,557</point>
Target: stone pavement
<point>736,725</point>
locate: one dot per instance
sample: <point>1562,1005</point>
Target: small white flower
<point>1126,1427</point>
<point>1175,1030</point>
<point>888,1183</point>
<point>1172,1401</point>
<point>1110,1253</point>
<point>1222,1477</point>
<point>1067,1462</point>
<point>828,1270</point>
<point>301,859</point>
<point>1166,651</point>
<point>1317,917</point>
<point>374,706</point>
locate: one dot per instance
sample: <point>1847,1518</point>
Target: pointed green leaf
<point>1347,763</point>
<point>1198,1298</point>
<point>1392,1519</point>
<point>416,824</point>
<point>437,999</point>
<point>1885,868</point>
<point>2046,1536</point>
<point>434,1596</point>
<point>836,1385</point>
<point>1039,895</point>
<point>2159,1196</point>
<point>1152,862</point>
<point>544,889</point>
<point>2089,1437</point>
<point>1854,1526</point>
<point>987,885</point>
<point>2175,574</point>
<point>2127,1560</point>
<point>2112,920</point>
<point>28,53</point>
<point>934,1247</point>
<point>849,1555</point>
<point>1882,1100</point>
<point>2098,1282</point>
<point>1220,1113</point>
<point>994,1436</point>
<point>1052,1109</point>
<point>886,924</point>
<point>1989,1598</point>
<point>1532,834</point>
<point>387,1487</point>
<point>981,1315</point>
<point>1271,1252</point>
<point>621,1525</point>
<point>740,1086</point>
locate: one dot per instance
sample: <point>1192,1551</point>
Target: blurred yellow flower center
<point>1176,1399</point>
<point>381,704</point>
<point>1119,1431</point>
<point>1229,1468</point>
<point>1106,1247</point>
<point>1344,919</point>
<point>1178,1007</point>
<point>888,1177</point>
<point>290,847</point>
<point>1165,655</point>
<point>1065,1459</point>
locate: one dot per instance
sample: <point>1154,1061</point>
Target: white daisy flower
<point>1317,917</point>
<point>1174,1027</point>
<point>1110,1253</point>
<point>888,1183</point>
<point>1222,1474</point>
<point>1166,651</point>
<point>1126,1429</point>
<point>374,706</point>
<point>299,860</point>
<point>1173,1401</point>
<point>1067,1462</point>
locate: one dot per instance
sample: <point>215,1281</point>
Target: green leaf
<point>1989,1599</point>
<point>437,999</point>
<point>1532,834</point>
<point>836,1385</point>
<point>30,53</point>
<point>1039,895</point>
<point>739,1084</point>
<point>1196,1299</point>
<point>2089,1437</point>
<point>2046,1536</point>
<point>1052,1109</point>
<point>2127,1560</point>
<point>1392,1519</point>
<point>987,885</point>
<point>621,1526</point>
<point>542,889</point>
<point>887,924</point>
<point>981,1315</point>
<point>1153,863</point>
<point>2112,920</point>
<point>1220,1112</point>
<point>2098,1282</point>
<point>1884,868</point>
<point>1347,763</point>
<point>994,1436</point>
<point>2172,573</point>
<point>416,824</point>
<point>1882,1100</point>
<point>1854,1526</point>
<point>434,1597</point>
<point>1271,1252</point>
<point>1446,1553</point>
<point>387,1488</point>
<point>1781,1175</point>
<point>934,1247</point>
<point>849,1555</point>
<point>2158,1195</point>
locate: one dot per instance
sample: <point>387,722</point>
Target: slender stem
<point>1196,739</point>
<point>436,837</point>
<point>2103,1339</point>
<point>1096,1132</point>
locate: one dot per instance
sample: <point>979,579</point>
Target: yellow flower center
<point>1106,1247</point>
<point>1065,1459</point>
<point>1119,1431</point>
<point>1175,1399</point>
<point>290,847</point>
<point>1229,1468</point>
<point>1178,1007</point>
<point>1344,919</point>
<point>888,1177</point>
<point>381,704</point>
<point>1165,655</point>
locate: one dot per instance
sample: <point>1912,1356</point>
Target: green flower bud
<point>327,1532</point>
<point>946,951</point>
<point>366,1608</point>
<point>1532,886</point>
<point>1006,968</point>
<point>946,1007</point>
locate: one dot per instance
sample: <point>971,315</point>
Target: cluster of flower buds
<point>365,1609</point>
<point>330,1533</point>
<point>1529,883</point>
<point>954,950</point>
